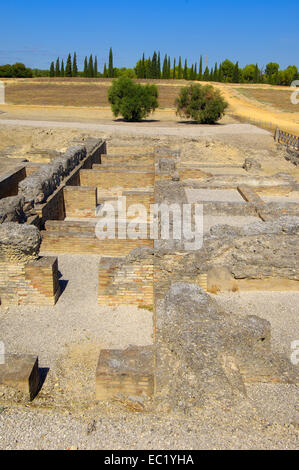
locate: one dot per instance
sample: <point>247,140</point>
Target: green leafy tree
<point>249,73</point>
<point>132,100</point>
<point>271,72</point>
<point>174,69</point>
<point>110,68</point>
<point>202,104</point>
<point>68,67</point>
<point>227,70</point>
<point>52,70</point>
<point>75,67</point>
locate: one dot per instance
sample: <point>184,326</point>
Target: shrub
<point>131,100</point>
<point>203,104</point>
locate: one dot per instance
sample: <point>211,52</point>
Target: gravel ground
<point>181,130</point>
<point>268,419</point>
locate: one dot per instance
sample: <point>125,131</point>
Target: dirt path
<point>181,130</point>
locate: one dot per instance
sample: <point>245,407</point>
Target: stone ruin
<point>200,354</point>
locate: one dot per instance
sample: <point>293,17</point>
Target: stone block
<point>129,372</point>
<point>20,372</point>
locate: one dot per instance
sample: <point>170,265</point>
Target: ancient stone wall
<point>127,280</point>
<point>25,278</point>
<point>126,179</point>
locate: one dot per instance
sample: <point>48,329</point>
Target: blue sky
<point>36,32</point>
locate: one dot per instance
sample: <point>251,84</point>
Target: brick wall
<point>34,283</point>
<point>85,242</point>
<point>107,179</point>
<point>80,201</point>
<point>125,281</point>
<point>54,208</point>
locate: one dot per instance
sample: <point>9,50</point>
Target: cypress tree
<point>90,67</point>
<point>62,69</point>
<point>165,68</point>
<point>185,74</point>
<point>200,69</point>
<point>180,69</point>
<point>57,68</point>
<point>216,73</point>
<point>75,67</point>
<point>68,67</point>
<point>52,70</point>
<point>105,73</point>
<point>256,74</point>
<point>95,71</point>
<point>192,72</point>
<point>168,68</point>
<point>143,74</point>
<point>174,67</point>
<point>236,73</point>
<point>159,66</point>
<point>154,66</point>
<point>220,74</point>
<point>206,75</point>
<point>110,70</point>
<point>195,71</point>
<point>85,72</point>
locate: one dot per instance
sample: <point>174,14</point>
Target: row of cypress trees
<point>151,68</point>
<point>90,68</point>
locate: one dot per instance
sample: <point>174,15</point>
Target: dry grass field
<point>264,105</point>
<point>80,92</point>
<point>279,99</point>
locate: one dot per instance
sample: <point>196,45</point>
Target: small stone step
<point>20,372</point>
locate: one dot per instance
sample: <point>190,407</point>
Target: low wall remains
<point>107,179</point>
<point>25,278</point>
<point>127,280</point>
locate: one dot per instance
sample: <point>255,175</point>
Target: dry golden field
<point>264,105</point>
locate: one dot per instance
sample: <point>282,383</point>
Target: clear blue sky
<point>36,32</point>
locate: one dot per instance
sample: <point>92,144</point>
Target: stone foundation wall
<point>25,278</point>
<point>84,242</point>
<point>127,280</point>
<point>107,179</point>
<point>80,201</point>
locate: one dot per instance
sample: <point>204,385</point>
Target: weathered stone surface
<point>166,165</point>
<point>38,186</point>
<point>19,242</point>
<point>11,209</point>
<point>20,373</point>
<point>205,356</point>
<point>129,372</point>
<point>251,164</point>
<point>259,251</point>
